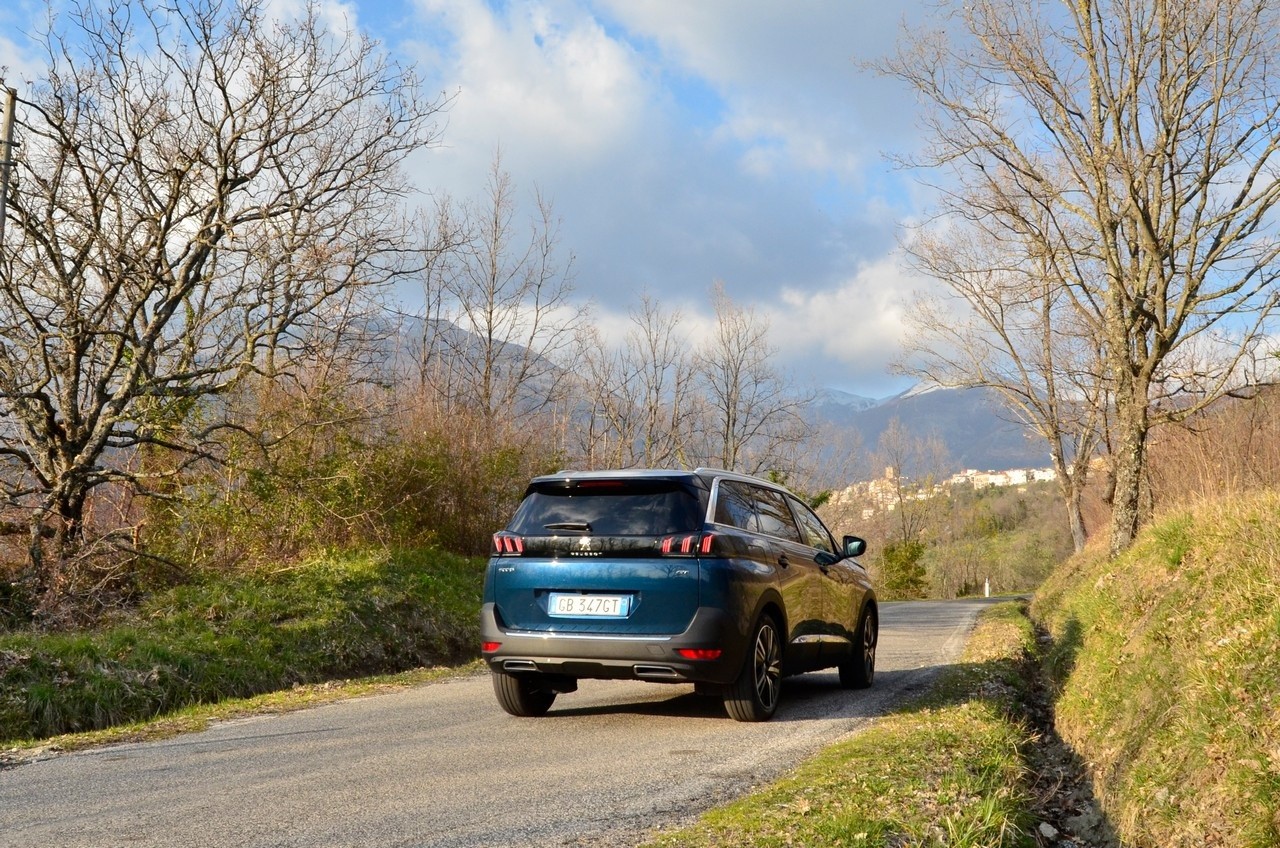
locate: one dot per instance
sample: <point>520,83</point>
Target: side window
<point>815,534</point>
<point>773,514</point>
<point>733,506</point>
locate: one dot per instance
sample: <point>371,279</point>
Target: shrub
<point>902,573</point>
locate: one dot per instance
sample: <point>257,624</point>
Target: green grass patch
<point>333,617</point>
<point>198,717</point>
<point>1166,662</point>
<point>946,771</point>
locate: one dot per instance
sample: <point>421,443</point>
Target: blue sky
<point>682,142</point>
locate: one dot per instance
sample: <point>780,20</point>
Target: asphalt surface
<point>442,766</point>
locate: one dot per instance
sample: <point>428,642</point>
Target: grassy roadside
<point>197,717</point>
<point>948,770</point>
<point>230,638</point>
<point>1167,665</point>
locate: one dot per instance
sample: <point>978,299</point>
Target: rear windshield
<point>609,509</point>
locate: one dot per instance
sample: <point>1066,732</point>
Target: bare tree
<point>649,402</point>
<point>658,354</point>
<point>442,238</point>
<point>752,413</point>
<point>1140,138</point>
<point>609,417</point>
<point>1007,323</point>
<point>200,186</point>
<point>639,395</point>
<point>502,311</point>
<point>913,467</point>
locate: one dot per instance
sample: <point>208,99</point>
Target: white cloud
<point>20,63</point>
<point>542,81</point>
<point>850,334</point>
<point>337,16</point>
<point>846,336</point>
<point>792,76</point>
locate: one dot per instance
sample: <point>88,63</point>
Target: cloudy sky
<point>683,142</point>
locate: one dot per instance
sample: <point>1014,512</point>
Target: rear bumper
<point>605,656</point>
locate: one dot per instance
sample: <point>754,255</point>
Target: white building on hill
<point>1012,477</point>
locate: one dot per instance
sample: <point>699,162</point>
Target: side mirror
<point>854,546</point>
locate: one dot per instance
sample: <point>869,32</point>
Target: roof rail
<point>736,475</point>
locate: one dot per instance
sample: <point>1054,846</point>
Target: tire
<point>753,696</point>
<point>859,671</point>
<point>522,695</point>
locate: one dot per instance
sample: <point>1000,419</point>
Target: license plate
<point>588,606</point>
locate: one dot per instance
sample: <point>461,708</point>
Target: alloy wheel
<point>767,667</point>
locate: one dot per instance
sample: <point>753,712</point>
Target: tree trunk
<point>52,547</point>
<point>1072,478</point>
<point>1070,485</point>
<point>1129,458</point>
<point>1075,519</point>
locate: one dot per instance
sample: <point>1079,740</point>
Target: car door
<point>734,506</point>
<point>841,591</point>
<point>800,575</point>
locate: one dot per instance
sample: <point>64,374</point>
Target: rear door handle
<point>783,561</point>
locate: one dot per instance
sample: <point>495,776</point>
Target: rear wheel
<point>524,695</point>
<point>753,696</point>
<point>859,670</point>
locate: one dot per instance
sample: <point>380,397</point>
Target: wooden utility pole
<point>6,152</point>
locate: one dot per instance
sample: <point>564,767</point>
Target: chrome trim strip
<point>586,636</point>
<point>656,672</point>
<point>519,665</point>
<point>822,639</point>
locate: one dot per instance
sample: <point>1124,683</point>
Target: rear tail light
<point>691,544</point>
<point>700,653</point>
<point>506,544</point>
<point>489,647</point>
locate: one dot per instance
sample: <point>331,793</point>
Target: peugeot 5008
<point>720,579</point>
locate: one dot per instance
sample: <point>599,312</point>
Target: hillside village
<point>890,489</point>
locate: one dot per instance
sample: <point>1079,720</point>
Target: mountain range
<point>974,426</point>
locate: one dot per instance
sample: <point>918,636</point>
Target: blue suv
<point>710,577</point>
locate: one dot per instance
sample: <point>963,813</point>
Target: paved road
<point>440,765</point>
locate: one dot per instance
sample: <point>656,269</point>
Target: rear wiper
<point>579,526</point>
